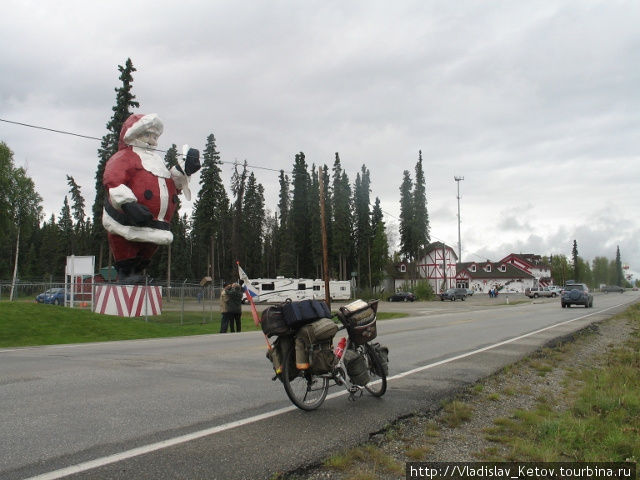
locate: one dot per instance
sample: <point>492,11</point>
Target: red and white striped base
<point>128,300</point>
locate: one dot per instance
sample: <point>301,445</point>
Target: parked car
<point>612,289</point>
<point>454,294</point>
<point>535,292</point>
<point>576,294</point>
<point>402,297</point>
<point>556,288</point>
<point>53,296</point>
<point>469,292</point>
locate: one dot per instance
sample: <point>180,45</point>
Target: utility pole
<point>325,252</point>
<point>457,179</point>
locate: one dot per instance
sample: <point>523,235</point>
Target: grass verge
<point>29,324</point>
<point>602,418</point>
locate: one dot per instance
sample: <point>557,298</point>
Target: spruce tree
<point>576,264</point>
<point>420,224</point>
<point>238,187</point>
<point>66,229</point>
<point>407,241</point>
<point>620,281</point>
<point>210,214</point>
<point>342,220</point>
<point>109,146</point>
<point>362,233</point>
<point>80,231</point>
<point>50,251</point>
<point>328,211</point>
<point>269,257</point>
<point>285,250</point>
<point>252,227</point>
<point>316,222</point>
<point>180,249</point>
<point>300,217</point>
<point>77,199</point>
<point>379,245</point>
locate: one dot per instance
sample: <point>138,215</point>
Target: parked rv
<point>280,289</point>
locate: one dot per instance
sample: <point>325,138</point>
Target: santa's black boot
<point>125,271</point>
<point>136,274</point>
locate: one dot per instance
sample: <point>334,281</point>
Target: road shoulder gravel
<point>459,430</point>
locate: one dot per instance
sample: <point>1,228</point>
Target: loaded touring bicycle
<point>306,360</point>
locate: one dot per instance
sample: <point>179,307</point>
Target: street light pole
<point>457,179</point>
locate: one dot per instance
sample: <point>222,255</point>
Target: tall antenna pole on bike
<point>325,253</point>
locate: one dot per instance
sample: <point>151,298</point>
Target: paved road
<point>205,407</point>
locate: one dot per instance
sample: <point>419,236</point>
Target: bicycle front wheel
<point>377,385</point>
<point>306,390</point>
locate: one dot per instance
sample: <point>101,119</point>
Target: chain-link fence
<point>183,302</point>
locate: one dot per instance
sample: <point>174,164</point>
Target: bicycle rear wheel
<point>377,385</point>
<point>306,390</point>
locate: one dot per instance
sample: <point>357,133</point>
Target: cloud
<point>534,104</point>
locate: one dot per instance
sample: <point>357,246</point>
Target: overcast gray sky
<point>535,103</point>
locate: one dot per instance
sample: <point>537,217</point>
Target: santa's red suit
<point>137,175</point>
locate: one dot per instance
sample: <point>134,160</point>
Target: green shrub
<point>424,291</point>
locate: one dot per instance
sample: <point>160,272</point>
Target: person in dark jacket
<point>234,307</point>
<point>231,308</point>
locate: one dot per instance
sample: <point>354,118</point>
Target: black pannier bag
<point>272,322</point>
<point>383,356</point>
<point>356,366</point>
<point>297,314</point>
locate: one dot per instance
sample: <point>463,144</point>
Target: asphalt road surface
<point>205,407</point>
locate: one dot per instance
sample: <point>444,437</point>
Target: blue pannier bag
<point>297,314</point>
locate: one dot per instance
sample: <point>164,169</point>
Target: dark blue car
<point>54,296</point>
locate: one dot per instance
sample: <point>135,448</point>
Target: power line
<point>50,129</point>
<point>89,137</point>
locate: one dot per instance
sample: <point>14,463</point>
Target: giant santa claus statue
<point>141,195</point>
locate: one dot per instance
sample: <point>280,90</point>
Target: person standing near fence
<point>224,307</point>
<point>234,307</point>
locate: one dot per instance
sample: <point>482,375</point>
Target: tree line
<point>601,270</point>
<point>225,227</point>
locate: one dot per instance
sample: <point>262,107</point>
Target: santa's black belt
<point>122,219</point>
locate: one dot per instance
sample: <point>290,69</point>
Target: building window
<point>403,268</point>
<point>472,268</point>
<point>503,268</point>
<point>487,268</point>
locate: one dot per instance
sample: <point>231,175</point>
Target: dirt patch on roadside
<point>461,430</point>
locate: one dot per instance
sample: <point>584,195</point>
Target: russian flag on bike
<point>247,291</point>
